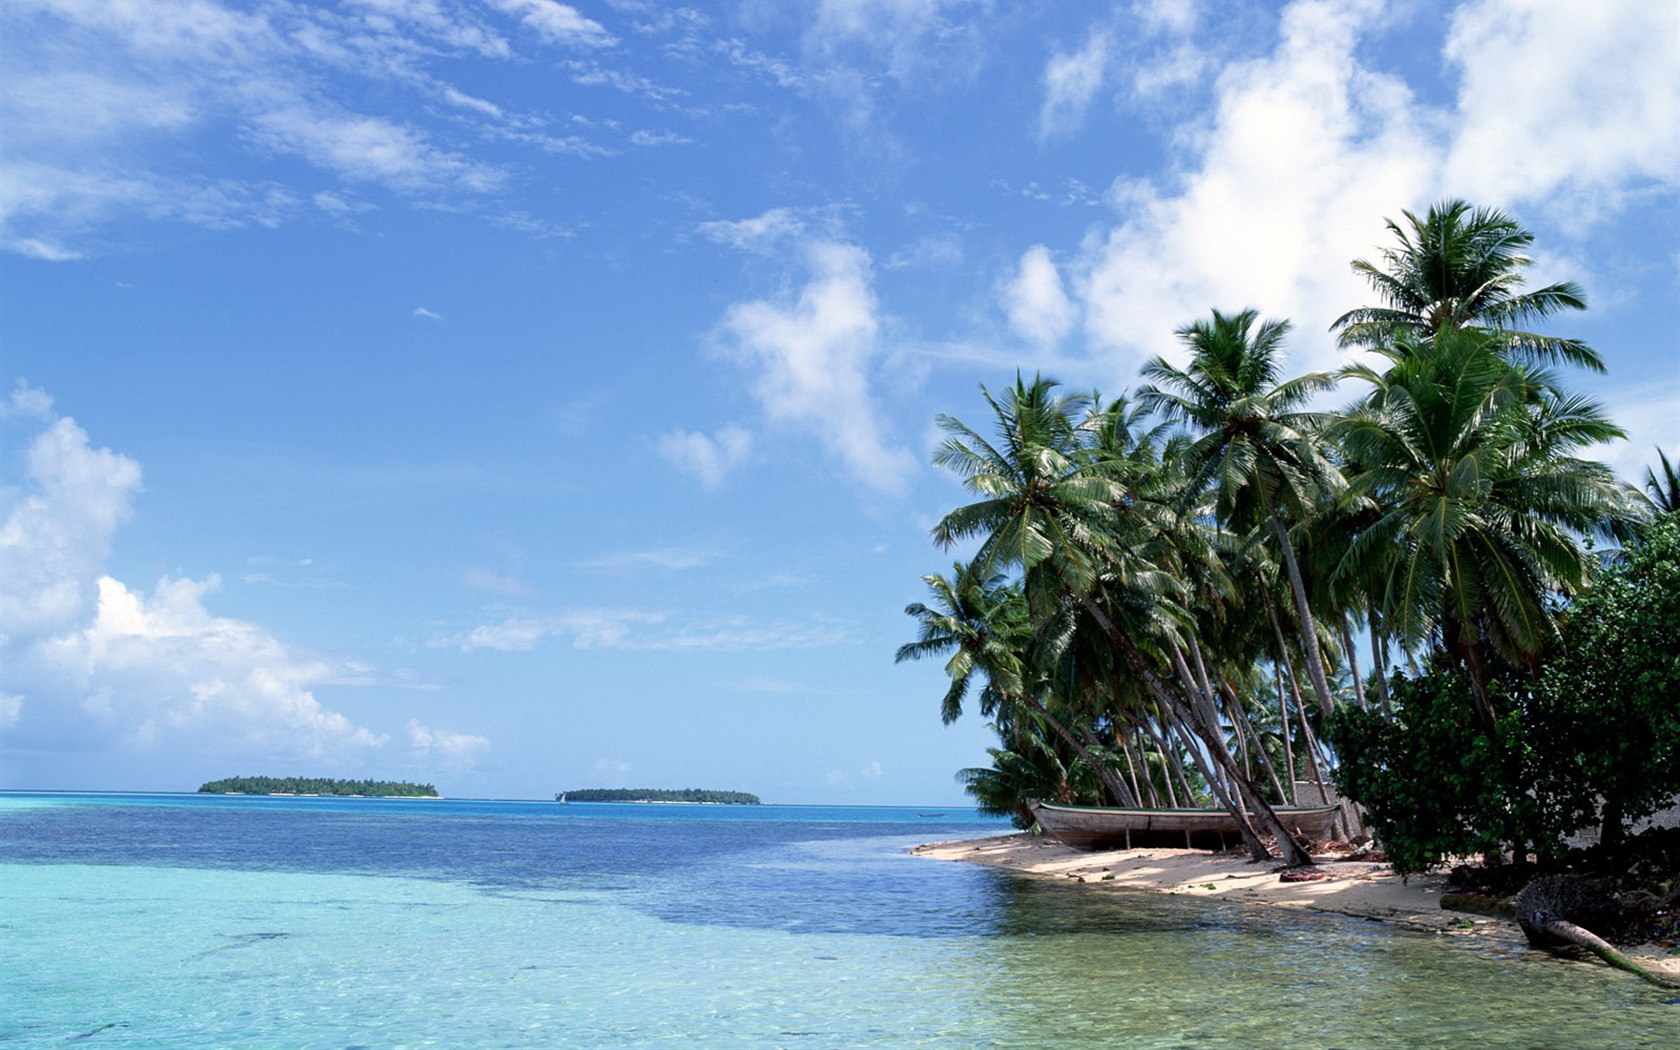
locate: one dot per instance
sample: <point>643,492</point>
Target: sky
<point>521,396</point>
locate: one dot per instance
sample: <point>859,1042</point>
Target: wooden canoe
<point>1102,827</point>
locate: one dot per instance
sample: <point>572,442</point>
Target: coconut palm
<point>1462,267</point>
<point>1254,443</point>
<point>1051,510</point>
<point>1467,460</point>
<point>980,620</point>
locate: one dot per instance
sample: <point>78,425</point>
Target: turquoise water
<point>199,921</point>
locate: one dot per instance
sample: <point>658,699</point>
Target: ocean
<point>186,921</point>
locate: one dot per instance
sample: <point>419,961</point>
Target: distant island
<point>731,798</point>
<point>317,786</point>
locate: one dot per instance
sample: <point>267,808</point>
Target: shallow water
<point>174,921</point>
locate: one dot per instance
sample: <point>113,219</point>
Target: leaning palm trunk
<point>1309,635</point>
<point>1110,780</point>
<point>1236,706</point>
<point>1353,663</point>
<point>1293,854</point>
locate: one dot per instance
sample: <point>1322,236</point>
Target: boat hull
<point>1100,827</point>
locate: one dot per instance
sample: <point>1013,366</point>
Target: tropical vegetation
<point>317,786</point>
<point>1164,599</point>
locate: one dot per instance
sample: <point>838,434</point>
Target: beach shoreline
<point>1359,889</point>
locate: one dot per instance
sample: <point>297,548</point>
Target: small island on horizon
<point>318,786</point>
<point>690,795</point>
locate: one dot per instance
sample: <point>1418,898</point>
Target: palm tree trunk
<point>1288,733</point>
<point>1309,634</point>
<point>1379,660</point>
<point>1131,767</point>
<point>1236,706</point>
<point>1353,663</point>
<point>1170,765</point>
<point>1293,853</point>
<point>1113,783</point>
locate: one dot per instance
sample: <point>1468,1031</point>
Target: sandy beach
<point>1362,889</point>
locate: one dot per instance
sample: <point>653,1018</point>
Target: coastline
<point>1357,888</point>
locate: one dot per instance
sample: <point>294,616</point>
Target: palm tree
<point>1663,490</point>
<point>1462,267</point>
<point>1466,459</point>
<point>980,619</point>
<point>1254,443</point>
<point>1050,510</point>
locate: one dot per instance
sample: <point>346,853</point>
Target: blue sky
<point>523,396</point>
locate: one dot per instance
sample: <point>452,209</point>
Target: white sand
<point>1363,889</point>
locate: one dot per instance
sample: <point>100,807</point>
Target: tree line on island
<point>317,786</point>
<point>729,798</point>
<point>1170,591</point>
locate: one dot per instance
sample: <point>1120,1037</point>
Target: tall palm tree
<point>1048,509</point>
<point>1255,444</point>
<point>1462,267</point>
<point>1467,460</point>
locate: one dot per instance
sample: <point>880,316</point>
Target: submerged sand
<point>1359,888</point>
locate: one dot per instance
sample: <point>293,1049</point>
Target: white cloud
<point>1070,83</point>
<point>27,402</point>
<point>452,750</point>
<point>761,233</point>
<point>369,149</point>
<point>1169,16</point>
<point>557,23</point>
<point>811,362</point>
<point>709,459</point>
<point>88,665</point>
<point>1306,152</point>
<point>1308,147</point>
<point>1586,95</point>
<point>56,538</point>
<point>1038,305</point>
<point>165,671</point>
<point>425,314</point>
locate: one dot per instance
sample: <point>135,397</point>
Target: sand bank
<point>1362,889</point>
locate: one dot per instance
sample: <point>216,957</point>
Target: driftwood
<point>1552,909</point>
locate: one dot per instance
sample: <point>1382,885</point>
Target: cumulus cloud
<point>707,458</point>
<point>811,358</point>
<point>1306,152</point>
<point>164,670</point>
<point>1307,148</point>
<point>57,535</point>
<point>91,666</point>
<point>1587,95</point>
<point>1038,305</point>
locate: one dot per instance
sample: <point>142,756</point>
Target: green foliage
<point>1611,700</point>
<point>1433,782</point>
<point>316,786</point>
<point>732,798</point>
<point>1596,739</point>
